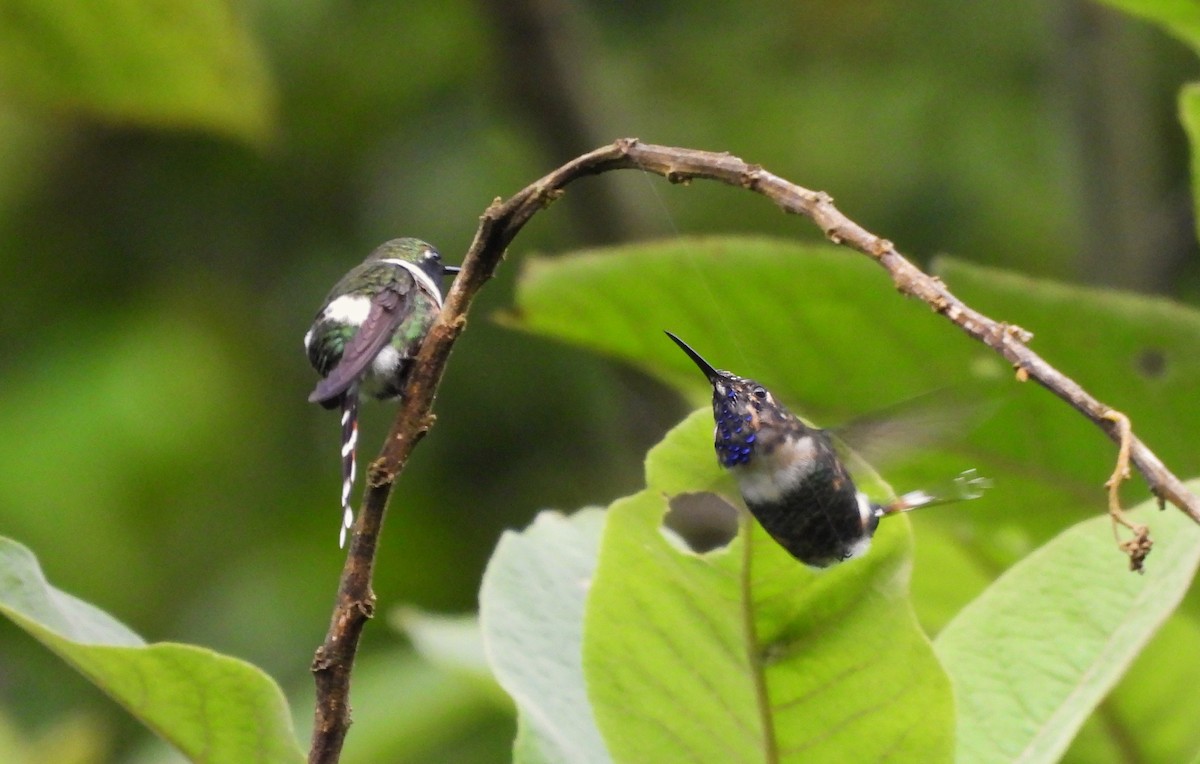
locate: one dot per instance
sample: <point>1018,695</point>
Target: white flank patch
<point>307,339</point>
<point>860,547</point>
<point>421,276</point>
<point>351,309</point>
<point>386,362</point>
<point>865,510</point>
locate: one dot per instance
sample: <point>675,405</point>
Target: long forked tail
<point>349,444</point>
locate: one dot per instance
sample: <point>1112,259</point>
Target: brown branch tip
<point>1138,546</point>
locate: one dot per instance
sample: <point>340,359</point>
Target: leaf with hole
<point>743,654</point>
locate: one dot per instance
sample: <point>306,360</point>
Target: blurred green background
<point>163,247</point>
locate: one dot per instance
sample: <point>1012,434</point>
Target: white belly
<point>767,478</point>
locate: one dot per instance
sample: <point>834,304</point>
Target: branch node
<point>625,145</point>
<point>1022,374</point>
<point>379,475</point>
<point>321,661</point>
<point>880,247</point>
<point>547,196</point>
<point>1017,333</point>
<point>366,607</point>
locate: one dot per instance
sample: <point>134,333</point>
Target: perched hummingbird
<point>792,478</point>
<point>366,333</point>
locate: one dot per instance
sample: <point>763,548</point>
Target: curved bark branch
<point>499,225</point>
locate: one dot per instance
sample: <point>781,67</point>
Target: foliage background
<point>162,251</point>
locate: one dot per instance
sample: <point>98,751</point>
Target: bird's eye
<point>760,393</point>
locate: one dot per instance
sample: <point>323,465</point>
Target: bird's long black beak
<point>450,270</point>
<point>704,365</point>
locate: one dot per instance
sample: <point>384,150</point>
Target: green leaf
<point>800,318</point>
<point>1133,352</point>
<point>453,642</point>
<point>531,611</point>
<point>824,328</point>
<point>1148,694</point>
<point>826,331</point>
<point>1147,698</point>
<point>212,707</point>
<point>1180,18</point>
<point>409,709</point>
<point>1035,653</point>
<point>1189,115</point>
<point>743,654</point>
<point>183,63</point>
<point>73,739</point>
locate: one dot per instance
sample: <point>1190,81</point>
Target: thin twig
<point>498,225</point>
<point>1139,545</point>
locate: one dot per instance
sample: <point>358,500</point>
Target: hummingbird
<point>366,334</point>
<point>792,478</point>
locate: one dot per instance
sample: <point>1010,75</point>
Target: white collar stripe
<point>420,275</point>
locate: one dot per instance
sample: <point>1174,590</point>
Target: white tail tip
<point>971,485</point>
<point>347,524</point>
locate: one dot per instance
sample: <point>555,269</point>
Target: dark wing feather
<point>388,309</point>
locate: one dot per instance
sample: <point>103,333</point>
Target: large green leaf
<point>1178,17</point>
<point>826,331</point>
<point>807,320</point>
<point>1189,115</point>
<point>411,708</point>
<point>451,642</point>
<point>824,328</point>
<point>531,607</point>
<point>75,739</point>
<point>743,654</point>
<point>187,63</point>
<point>212,707</point>
<point>1133,352</point>
<point>1035,653</point>
<point>1147,698</point>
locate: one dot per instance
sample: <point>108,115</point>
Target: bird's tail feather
<point>349,444</point>
<point>968,485</point>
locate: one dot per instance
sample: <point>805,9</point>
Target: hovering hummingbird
<point>792,478</point>
<point>366,333</point>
